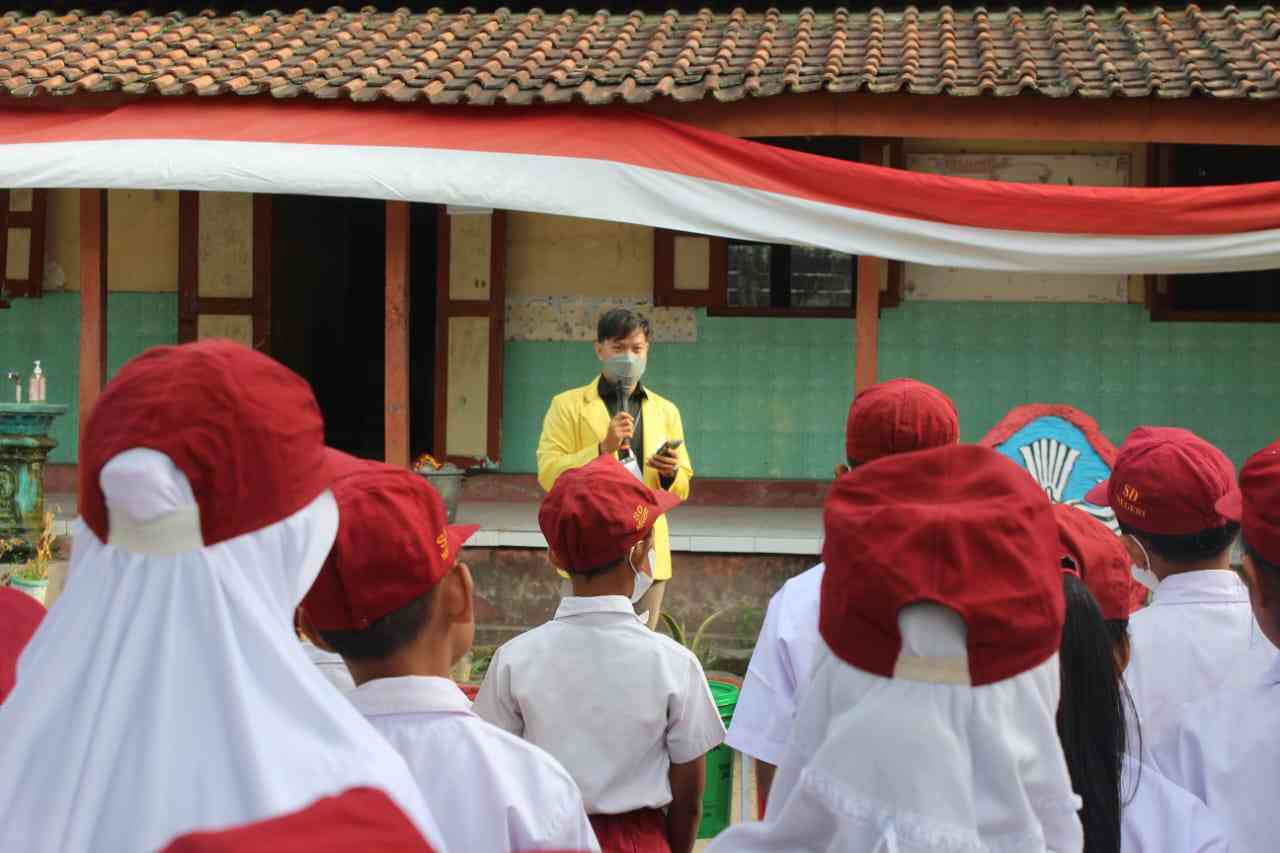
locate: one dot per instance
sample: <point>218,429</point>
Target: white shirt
<point>615,702</point>
<point>1225,750</point>
<point>490,792</point>
<point>1160,817</point>
<point>331,666</point>
<point>780,666</point>
<point>1197,630</point>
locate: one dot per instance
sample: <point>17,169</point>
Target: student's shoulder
<point>527,642</point>
<point>510,755</point>
<point>671,650</point>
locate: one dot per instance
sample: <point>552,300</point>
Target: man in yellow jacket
<point>647,435</point>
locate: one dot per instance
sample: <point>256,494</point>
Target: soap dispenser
<point>36,386</point>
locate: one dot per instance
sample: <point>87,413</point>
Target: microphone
<point>624,405</point>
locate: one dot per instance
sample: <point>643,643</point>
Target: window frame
<point>715,298</point>
<point>1158,298</point>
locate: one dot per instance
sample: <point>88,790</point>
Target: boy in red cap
<point>1223,748</point>
<point>626,710</point>
<point>394,601</point>
<point>1164,488</point>
<point>20,615</point>
<point>897,416</point>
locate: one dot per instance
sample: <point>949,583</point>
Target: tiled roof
<point>505,57</point>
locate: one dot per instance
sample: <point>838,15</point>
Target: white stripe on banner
<point>600,189</point>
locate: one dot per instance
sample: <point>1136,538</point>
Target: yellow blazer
<point>575,425</point>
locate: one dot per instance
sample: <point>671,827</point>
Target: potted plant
<point>33,576</point>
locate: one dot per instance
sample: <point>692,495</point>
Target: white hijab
<point>909,765</point>
<point>165,691</point>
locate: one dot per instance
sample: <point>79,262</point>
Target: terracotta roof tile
<point>504,57</point>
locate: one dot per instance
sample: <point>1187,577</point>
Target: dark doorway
<point>328,288</point>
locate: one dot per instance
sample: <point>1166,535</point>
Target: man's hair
<point>386,635</point>
<point>621,323</point>
<point>1187,547</point>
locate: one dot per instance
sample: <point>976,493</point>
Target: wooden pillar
<point>866,332</point>
<point>93,298</point>
<point>396,413</point>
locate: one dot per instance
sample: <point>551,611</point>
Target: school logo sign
<point>641,515</point>
<point>443,542</point>
<point>1062,448</point>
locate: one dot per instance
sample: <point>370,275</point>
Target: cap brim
<point>666,501</point>
<point>342,465</point>
<point>1231,505</point>
<point>459,534</point>
<point>1098,494</point>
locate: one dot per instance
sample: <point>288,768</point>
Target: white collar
<point>410,694</point>
<point>580,605</point>
<point>1210,586</point>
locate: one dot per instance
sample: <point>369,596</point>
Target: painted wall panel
<point>237,327</point>
<point>48,329</point>
<point>947,283</point>
<point>692,263</point>
<point>142,241</point>
<point>226,245</point>
<point>470,244</point>
<point>566,256</point>
<point>467,416</point>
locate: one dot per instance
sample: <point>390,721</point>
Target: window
<point>1232,296</point>
<point>742,278</point>
<point>22,236</point>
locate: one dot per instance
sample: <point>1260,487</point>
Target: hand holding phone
<point>666,460</point>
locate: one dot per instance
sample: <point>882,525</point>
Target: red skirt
<point>640,831</point>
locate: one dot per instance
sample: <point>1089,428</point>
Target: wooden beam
<point>261,307</point>
<point>866,323</point>
<point>188,266</point>
<point>396,413</point>
<point>1030,117</point>
<point>93,298</point>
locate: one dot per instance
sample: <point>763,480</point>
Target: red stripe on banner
<point>639,139</point>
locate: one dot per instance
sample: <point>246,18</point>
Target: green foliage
<point>747,616</point>
<point>16,550</point>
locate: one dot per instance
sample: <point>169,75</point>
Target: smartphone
<point>669,445</point>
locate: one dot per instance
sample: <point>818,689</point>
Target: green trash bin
<point>717,799</point>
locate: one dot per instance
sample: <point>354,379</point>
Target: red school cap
<point>1166,481</point>
<point>394,544</point>
<point>358,819</point>
<point>1256,503</point>
<point>243,429</point>
<point>962,527</point>
<point>594,514</point>
<point>899,416</point>
<point>1100,558</point>
<point>20,616</point>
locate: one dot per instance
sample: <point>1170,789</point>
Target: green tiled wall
<point>49,329</point>
<point>767,398</point>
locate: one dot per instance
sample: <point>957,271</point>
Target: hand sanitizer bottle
<point>36,386</point>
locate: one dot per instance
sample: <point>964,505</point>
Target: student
<point>396,604</point>
<point>1128,807</point>
<point>1198,626</point>
<point>625,709</point>
<point>928,721</point>
<point>20,616</point>
<point>166,692</point>
<point>897,416</point>
<point>1223,748</point>
<point>328,661</point>
<point>355,821</point>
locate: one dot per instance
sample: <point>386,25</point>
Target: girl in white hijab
<point>928,722</point>
<point>165,691</point>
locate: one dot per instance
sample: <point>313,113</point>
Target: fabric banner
<point>638,168</point>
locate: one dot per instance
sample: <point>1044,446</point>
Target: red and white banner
<point>637,168</point>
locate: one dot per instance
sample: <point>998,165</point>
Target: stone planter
<point>36,589</point>
<point>24,447</point>
<point>448,483</point>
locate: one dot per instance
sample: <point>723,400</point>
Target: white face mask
<point>644,580</point>
<point>1143,574</point>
